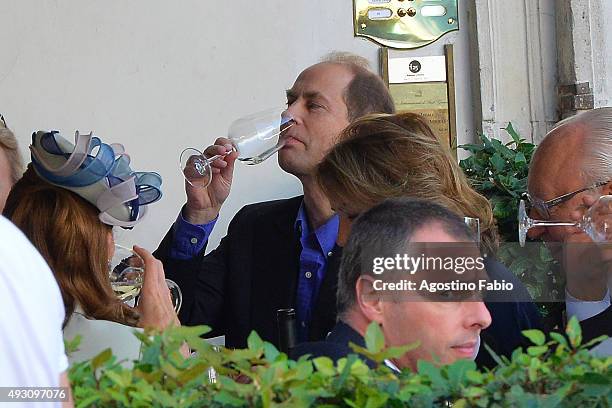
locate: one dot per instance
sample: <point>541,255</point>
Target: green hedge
<point>554,372</point>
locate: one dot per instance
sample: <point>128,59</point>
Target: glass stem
<point>217,156</point>
<point>538,223</point>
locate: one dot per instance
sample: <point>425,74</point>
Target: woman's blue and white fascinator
<point>98,172</point>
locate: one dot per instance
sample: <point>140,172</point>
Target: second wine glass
<point>126,272</point>
<point>596,222</point>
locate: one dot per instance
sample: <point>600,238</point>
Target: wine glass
<point>255,137</point>
<point>126,272</point>
<point>596,222</point>
<point>474,225</point>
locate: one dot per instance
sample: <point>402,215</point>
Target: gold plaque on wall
<point>424,85</point>
<point>404,24</point>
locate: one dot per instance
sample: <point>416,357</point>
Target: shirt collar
<point>392,366</point>
<point>326,235</point>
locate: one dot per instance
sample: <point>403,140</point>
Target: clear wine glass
<point>474,225</point>
<point>255,137</point>
<point>596,222</point>
<point>126,272</point>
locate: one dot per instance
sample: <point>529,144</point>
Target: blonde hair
<point>384,156</point>
<point>8,144</point>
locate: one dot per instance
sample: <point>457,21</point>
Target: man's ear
<point>368,299</point>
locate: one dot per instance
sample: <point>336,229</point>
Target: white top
<point>98,335</point>
<point>32,311</point>
<point>583,309</point>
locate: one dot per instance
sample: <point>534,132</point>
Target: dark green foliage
<point>556,372</point>
<point>499,172</point>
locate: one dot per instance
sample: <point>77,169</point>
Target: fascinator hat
<point>98,172</point>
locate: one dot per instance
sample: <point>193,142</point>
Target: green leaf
<point>595,341</point>
<point>72,345</point>
<point>536,351</point>
<point>520,159</point>
<point>270,351</point>
<point>473,392</point>
<point>497,162</point>
<point>225,398</point>
<point>374,338</point>
<point>116,378</point>
<point>88,402</point>
<point>473,148</point>
<point>559,338</point>
<point>458,370</point>
<point>101,358</point>
<point>596,379</point>
<point>325,366</point>
<point>474,376</point>
<point>254,342</point>
<point>535,336</point>
<point>574,332</point>
<point>493,355</point>
<point>513,133</point>
<point>427,368</point>
<point>376,400</point>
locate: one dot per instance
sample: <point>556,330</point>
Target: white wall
<point>602,52</point>
<point>517,74</point>
<point>159,76</point>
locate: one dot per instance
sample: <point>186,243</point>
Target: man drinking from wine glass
<point>278,254</point>
<point>570,169</point>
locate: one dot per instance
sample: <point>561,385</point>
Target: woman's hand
<point>155,304</point>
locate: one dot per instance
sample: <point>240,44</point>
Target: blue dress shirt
<point>189,239</point>
<point>316,248</point>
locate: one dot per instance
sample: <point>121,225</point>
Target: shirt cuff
<point>583,309</point>
<point>189,239</point>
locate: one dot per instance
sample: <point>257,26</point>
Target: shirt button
<point>303,324</point>
<point>330,253</point>
<point>194,240</point>
<point>308,275</point>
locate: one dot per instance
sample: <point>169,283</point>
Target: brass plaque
<point>427,99</point>
<point>424,85</point>
<point>404,24</point>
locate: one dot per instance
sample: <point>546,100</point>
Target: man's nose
<point>296,110</point>
<point>478,315</point>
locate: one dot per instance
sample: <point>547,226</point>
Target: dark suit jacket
<point>335,346</point>
<point>511,313</point>
<point>239,286</point>
<point>597,325</point>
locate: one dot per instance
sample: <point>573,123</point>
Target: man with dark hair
<point>279,254</point>
<point>446,330</point>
